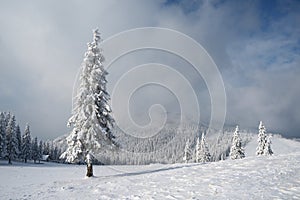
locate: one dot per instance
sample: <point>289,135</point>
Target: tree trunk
<point>89,172</point>
<point>9,161</point>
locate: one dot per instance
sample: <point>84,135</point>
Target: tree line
<point>237,151</point>
<point>15,146</point>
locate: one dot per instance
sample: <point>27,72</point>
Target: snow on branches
<point>264,141</point>
<point>236,150</point>
<point>202,152</point>
<point>91,120</point>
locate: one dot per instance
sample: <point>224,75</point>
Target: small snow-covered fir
<point>264,141</point>
<point>187,157</point>
<point>2,136</point>
<point>26,144</point>
<point>236,150</point>
<point>11,139</point>
<point>268,150</point>
<point>202,152</point>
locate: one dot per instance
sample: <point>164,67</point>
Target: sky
<point>254,44</point>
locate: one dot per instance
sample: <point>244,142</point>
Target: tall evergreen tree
<point>7,118</point>
<point>2,136</point>
<point>11,139</point>
<point>262,139</point>
<point>203,154</point>
<point>55,153</point>
<point>91,119</point>
<point>236,150</point>
<point>26,144</point>
<point>198,150</point>
<point>19,142</point>
<point>35,149</point>
<point>46,148</point>
<point>40,150</point>
<point>187,152</point>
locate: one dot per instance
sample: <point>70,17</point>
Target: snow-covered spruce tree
<point>2,135</point>
<point>19,142</point>
<point>198,150</point>
<point>46,148</point>
<point>268,150</point>
<point>11,139</point>
<point>202,154</point>
<point>91,120</point>
<point>26,144</point>
<point>236,150</point>
<point>35,149</point>
<point>40,150</point>
<point>187,152</point>
<point>261,139</point>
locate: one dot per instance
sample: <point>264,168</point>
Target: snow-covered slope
<point>279,145</point>
<point>275,177</point>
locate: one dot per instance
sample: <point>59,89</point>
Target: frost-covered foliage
<point>89,158</point>
<point>187,156</point>
<point>26,144</point>
<point>268,150</point>
<point>2,136</point>
<point>261,139</point>
<point>17,147</point>
<point>35,150</point>
<point>19,142</point>
<point>11,139</point>
<point>198,149</point>
<point>236,150</point>
<point>202,153</point>
<point>40,150</point>
<point>264,142</point>
<point>91,119</point>
<point>166,146</point>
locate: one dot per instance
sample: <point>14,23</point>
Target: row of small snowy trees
<point>202,154</point>
<point>263,148</point>
<point>15,146</point>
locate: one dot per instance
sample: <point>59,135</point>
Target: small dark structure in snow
<point>46,158</point>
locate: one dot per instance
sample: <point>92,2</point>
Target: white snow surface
<point>273,177</point>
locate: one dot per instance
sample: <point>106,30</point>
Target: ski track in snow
<point>275,177</point>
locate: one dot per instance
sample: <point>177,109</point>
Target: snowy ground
<point>276,177</point>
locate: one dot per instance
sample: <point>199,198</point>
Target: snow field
<point>275,177</point>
